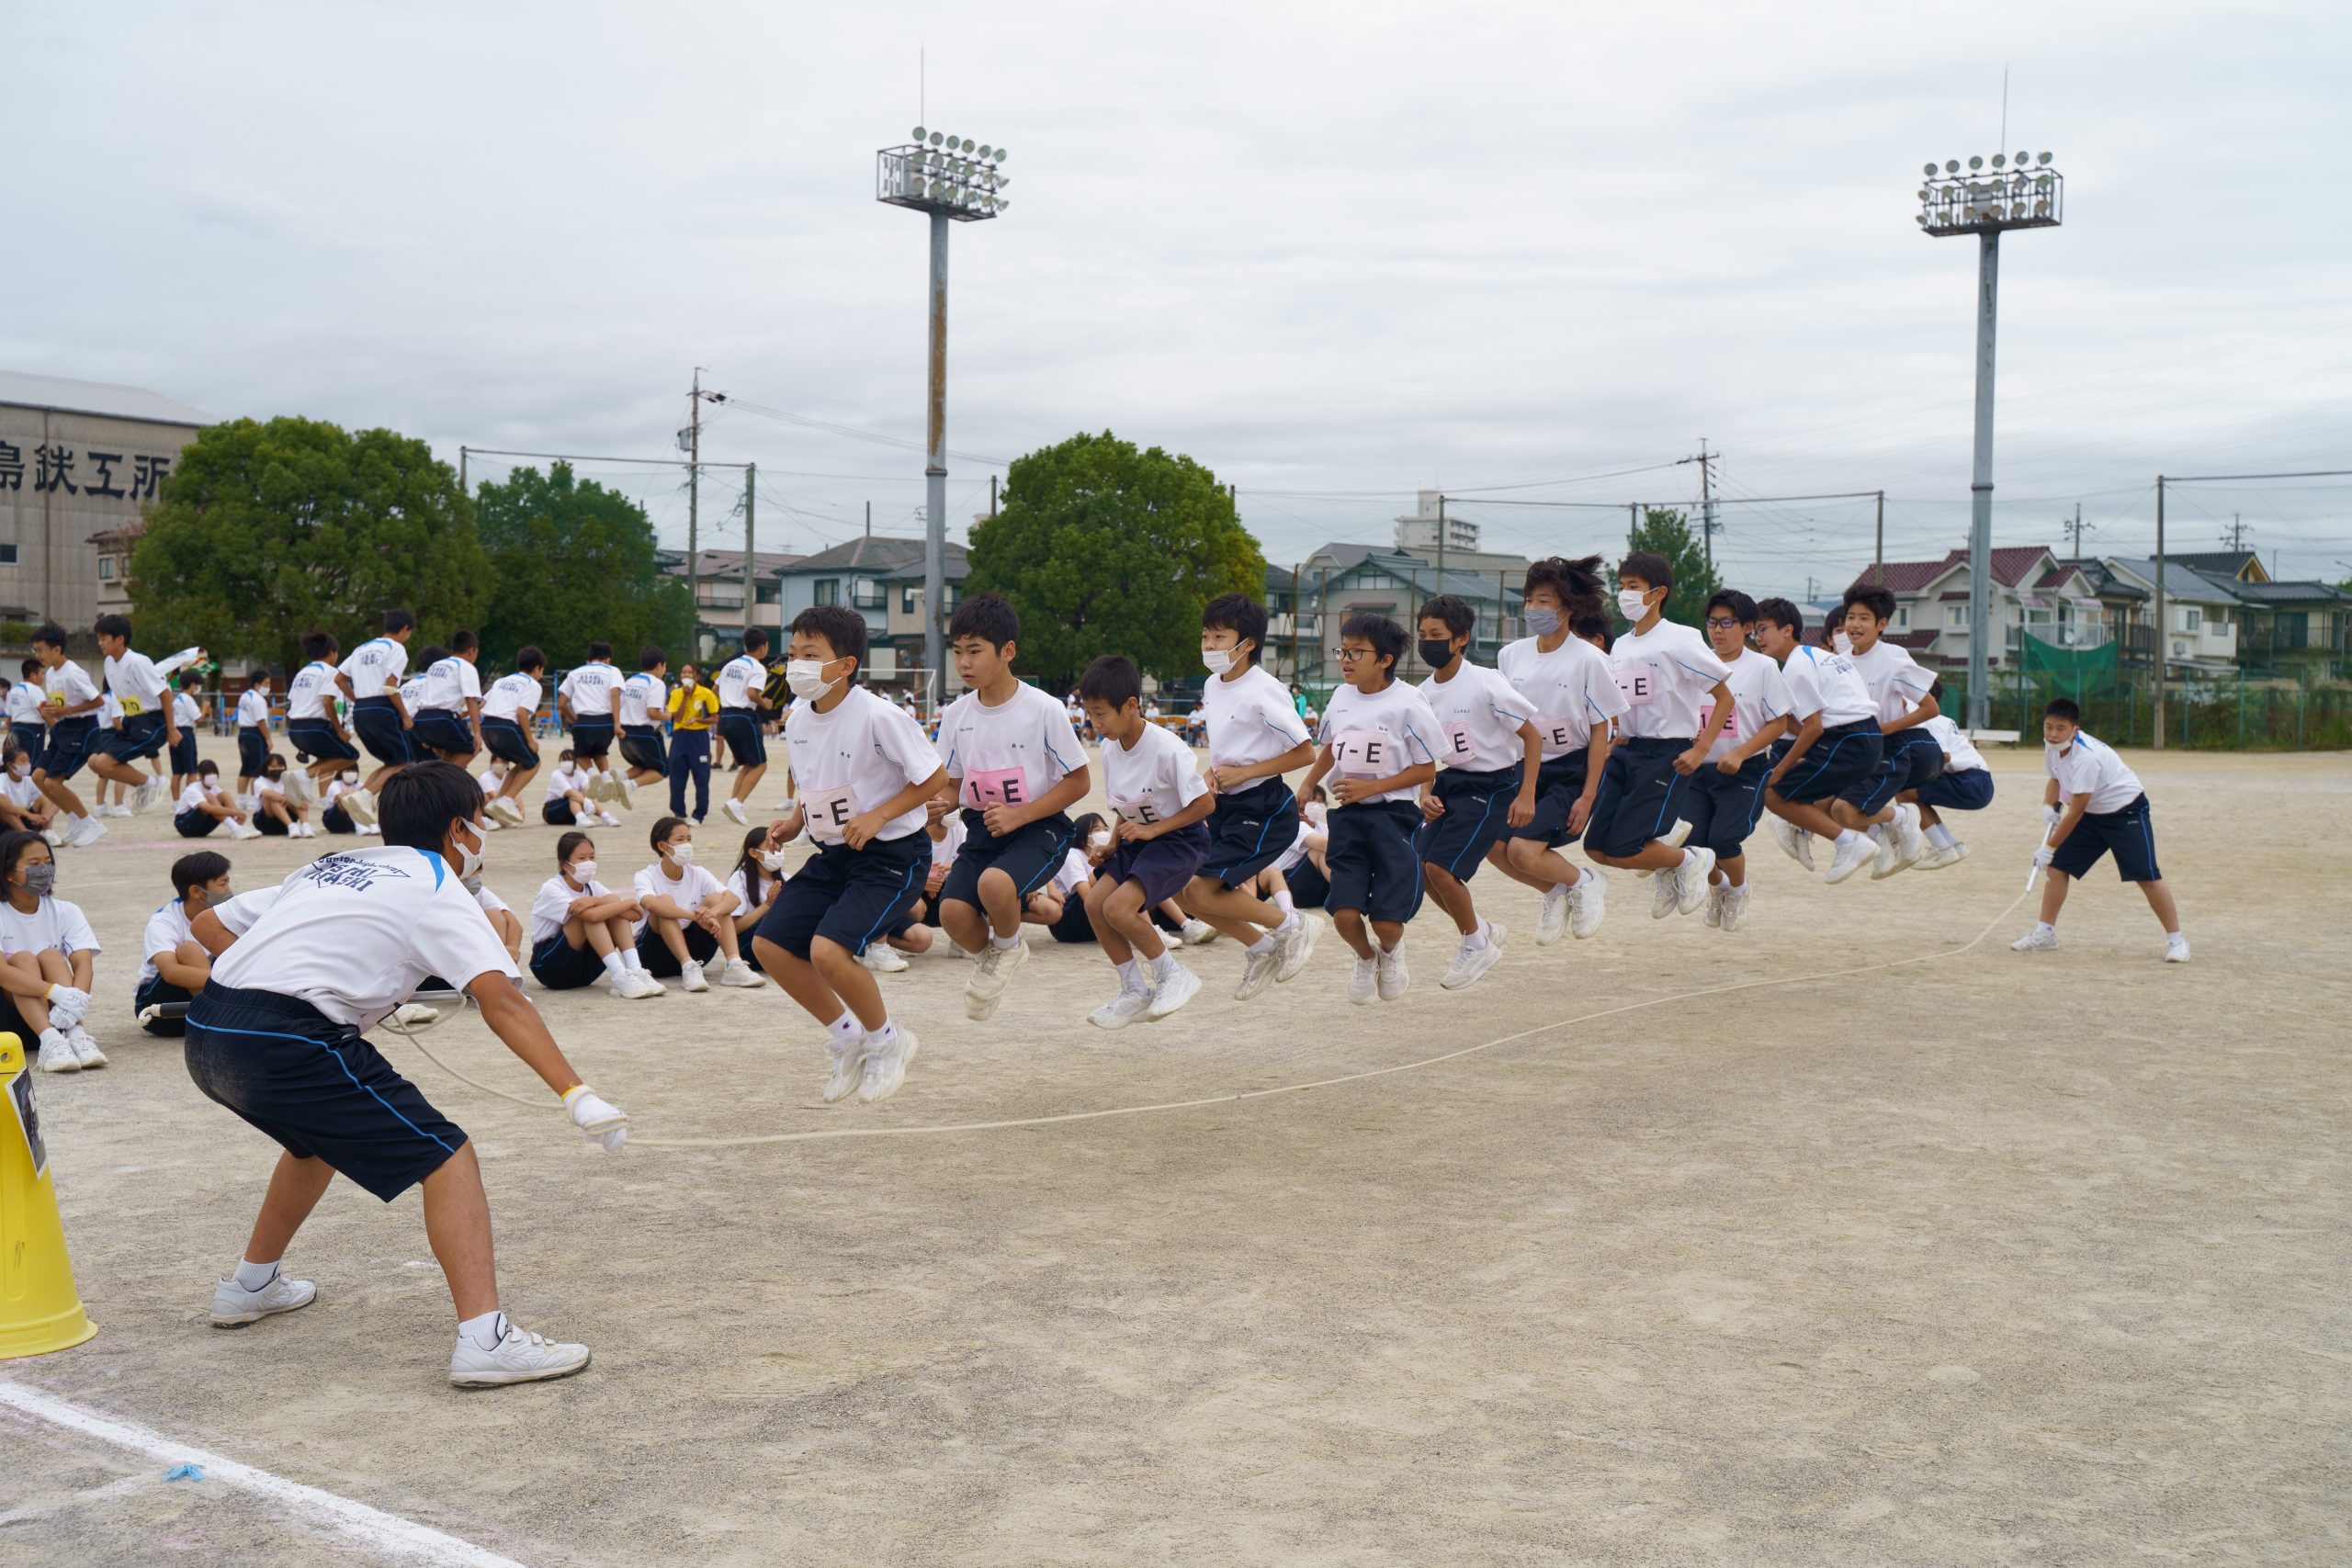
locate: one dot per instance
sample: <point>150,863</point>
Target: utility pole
<point>870,520</point>
<point>992,495</point>
<point>1706,461</point>
<point>1440,547</point>
<point>694,497</point>
<point>461,472</point>
<point>751,533</point>
<point>1878,545</point>
<point>2237,533</point>
<point>2074,531</point>
<point>2162,647</point>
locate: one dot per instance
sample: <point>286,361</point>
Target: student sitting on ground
<point>203,805</point>
<point>686,912</point>
<point>172,964</point>
<point>48,956</point>
<point>580,927</point>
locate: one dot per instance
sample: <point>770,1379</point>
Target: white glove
<point>2050,815</point>
<point>67,1006</point>
<point>2044,856</point>
<point>598,1120</point>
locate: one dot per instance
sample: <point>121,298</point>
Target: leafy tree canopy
<point>1666,531</point>
<point>1103,548</point>
<point>571,561</point>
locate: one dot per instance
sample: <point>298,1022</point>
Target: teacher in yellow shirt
<point>693,708</point>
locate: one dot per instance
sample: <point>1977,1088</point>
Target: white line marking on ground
<point>356,1521</point>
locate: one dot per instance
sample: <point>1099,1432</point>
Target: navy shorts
<point>852,897</point>
<point>1250,830</point>
<point>740,727</point>
<point>378,726</point>
<point>1476,816</point>
<point>1559,784</point>
<point>30,734</point>
<point>559,966</point>
<point>335,820</point>
<point>268,826</point>
<point>592,739</point>
<point>556,813</point>
<point>195,824</point>
<point>1375,859</point>
<point>1907,758</point>
<point>253,752</point>
<point>1164,867</point>
<point>1958,789</point>
<point>2127,834</point>
<point>68,747</point>
<point>1641,796</point>
<point>1723,808</point>
<point>508,743</point>
<point>313,737</point>
<point>141,735</point>
<point>1076,926</point>
<point>641,747</point>
<point>662,963</point>
<point>1841,763</point>
<point>183,758</point>
<point>1029,856</point>
<point>154,993</point>
<point>443,730</point>
<point>316,1087</point>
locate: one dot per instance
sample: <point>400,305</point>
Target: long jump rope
<point>1238,1096</point>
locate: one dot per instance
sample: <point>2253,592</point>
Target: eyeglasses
<point>1717,624</point>
<point>1349,655</point>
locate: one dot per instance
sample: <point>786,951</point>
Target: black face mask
<point>1435,653</point>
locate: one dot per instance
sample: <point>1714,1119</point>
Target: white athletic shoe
<point>233,1306</point>
<point>1588,901</point>
<point>1394,978</point>
<point>1715,904</point>
<point>1735,906</point>
<point>1690,879</point>
<point>886,1067</point>
<point>989,976</point>
<point>371,831</point>
<point>1888,859</point>
<point>1681,830</point>
<point>1551,923</point>
<point>52,838</point>
<point>517,1357</point>
<point>1180,986</point>
<point>88,832</point>
<point>1471,963</point>
<point>1945,856</point>
<point>606,819</point>
<point>690,977</point>
<point>1198,933</point>
<point>244,830</point>
<point>1259,970</point>
<point>505,810</point>
<point>2036,941</point>
<point>1852,855</point>
<point>1784,833</point>
<point>359,805</point>
<point>644,985</point>
<point>884,959</point>
<point>1804,846</point>
<point>87,1052</point>
<point>2176,952</point>
<point>734,809</point>
<point>628,792</point>
<point>1122,1010</point>
<point>117,810</point>
<point>298,785</point>
<point>744,977</point>
<point>489,822</point>
<point>143,798</point>
<point>1362,985</point>
<point>58,1055</point>
<point>1292,951</point>
<point>1664,898</point>
<point>849,1069</point>
<point>1910,839</point>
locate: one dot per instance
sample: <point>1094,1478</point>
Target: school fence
<point>2227,713</point>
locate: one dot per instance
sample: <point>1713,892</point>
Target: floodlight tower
<point>2019,193</point>
<point>953,180</point>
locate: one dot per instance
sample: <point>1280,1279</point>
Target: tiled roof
<point>2011,563</point>
<point>883,555</point>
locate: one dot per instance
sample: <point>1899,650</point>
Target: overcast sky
<point>1338,254</point>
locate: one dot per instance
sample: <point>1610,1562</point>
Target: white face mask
<point>350,776</point>
<point>1841,642</point>
<point>1632,605</point>
<point>807,678</point>
<point>584,871</point>
<point>684,855</point>
<point>471,884</point>
<point>1217,659</point>
<point>1098,841</point>
<point>774,859</point>
<point>18,769</point>
<point>469,859</point>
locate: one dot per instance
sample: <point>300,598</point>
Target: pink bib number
<point>1639,682</point>
<point>1457,742</point>
<point>1138,810</point>
<point>1557,737</point>
<point>1362,753</point>
<point>827,811</point>
<point>984,787</point>
<point>1707,717</point>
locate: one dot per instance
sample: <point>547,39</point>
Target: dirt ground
<point>1983,1258</point>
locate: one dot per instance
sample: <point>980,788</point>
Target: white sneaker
<point>88,832</point>
<point>489,820</point>
<point>517,1357</point>
<point>627,795</point>
<point>1690,883</point>
<point>884,959</point>
<point>1588,901</point>
<point>1882,838</point>
<point>1122,1010</point>
<point>849,1069</point>
<point>734,809</point>
<point>1292,951</point>
<point>244,830</point>
<point>1784,833</point>
<point>1715,904</point>
<point>58,1055</point>
<point>606,819</point>
<point>1803,850</point>
<point>2176,952</point>
<point>1471,963</point>
<point>359,805</point>
<point>1198,933</point>
<point>991,974</point>
<point>233,1306</point>
<point>1664,898</point>
<point>1393,977</point>
<point>690,977</point>
<point>1910,839</point>
<point>1735,906</point>
<point>1942,855</point>
<point>143,798</point>
<point>1552,922</point>
<point>52,838</point>
<point>744,977</point>
<point>298,785</point>
<point>1171,991</point>
<point>1361,983</point>
<point>642,984</point>
<point>87,1052</point>
<point>504,809</point>
<point>2036,941</point>
<point>1259,971</point>
<point>1852,855</point>
<point>371,831</point>
<point>886,1067</point>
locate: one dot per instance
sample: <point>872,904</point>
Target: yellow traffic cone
<point>39,1310</point>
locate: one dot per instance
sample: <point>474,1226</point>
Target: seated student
<point>1729,798</point>
<point>644,704</point>
<point>1382,740</point>
<point>571,797</point>
<point>686,914</point>
<point>47,959</point>
<point>501,915</point>
<point>912,932</point>
<point>1833,762</point>
<point>172,964</point>
<point>190,713</point>
<point>1964,785</point>
<point>278,1036</point>
<point>333,816</point>
<point>202,808</point>
<point>24,727</point>
<point>1060,905</point>
<point>579,928</point>
<point>1160,834</point>
<point>586,703</point>
<point>1299,879</point>
<point>491,779</point>
<point>1493,764</point>
<point>508,708</point>
<point>758,875</point>
<point>278,816</point>
<point>1909,756</point>
<point>2094,806</point>
<point>22,805</point>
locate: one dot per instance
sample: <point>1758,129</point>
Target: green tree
<point>1666,531</point>
<point>572,560</point>
<point>265,531</point>
<point>1103,548</point>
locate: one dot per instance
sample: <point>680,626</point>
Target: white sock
<point>1282,902</point>
<point>1131,976</point>
<point>1476,939</point>
<point>885,1036</point>
<point>485,1331</point>
<point>630,960</point>
<point>1265,943</point>
<point>252,1277</point>
<point>845,1028</point>
<point>1289,916</point>
<point>1846,835</point>
<point>612,965</point>
<point>1939,836</point>
<point>2042,928</point>
<point>1004,943</point>
<point>79,821</point>
<point>1164,965</point>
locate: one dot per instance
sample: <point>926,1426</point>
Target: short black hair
<point>1649,566</point>
<point>1457,615</point>
<point>529,659</point>
<point>988,617</point>
<point>13,845</point>
<point>651,655</point>
<point>318,645</point>
<point>755,640</point>
<point>51,634</point>
<point>1780,613</point>
<point>112,625</point>
<point>398,621</point>
<point>1878,602</point>
<point>662,828</point>
<point>599,650</point>
<point>1387,638</point>
<point>1242,615</point>
<point>565,844</point>
<point>2065,709</point>
<point>842,628</point>
<point>1111,681</point>
<point>1742,608</point>
<point>463,641</point>
<point>1576,583</point>
<point>194,871</point>
<point>206,765</point>
<point>1590,625</point>
<point>420,802</point>
<point>1936,690</point>
<point>30,669</point>
<point>431,653</point>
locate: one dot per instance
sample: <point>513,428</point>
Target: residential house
<point>2200,635</point>
<point>1340,580</point>
<point>881,576</point>
<point>2033,592</point>
<point>722,607</point>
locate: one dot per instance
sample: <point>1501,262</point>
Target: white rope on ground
<point>1237,1096</point>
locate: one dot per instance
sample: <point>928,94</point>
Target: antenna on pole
<point>2002,140</point>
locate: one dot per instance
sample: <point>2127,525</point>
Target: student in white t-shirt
<point>189,713</point>
<point>1493,766</point>
<point>202,808</point>
<point>370,676</point>
<point>1729,800</point>
<point>1060,905</point>
<point>313,725</point>
<point>1908,755</point>
<point>743,711</point>
<point>1832,756</point>
<point>448,701</point>
<point>1382,742</point>
<point>581,929</point>
<point>173,964</point>
<point>760,873</point>
<point>22,805</point>
<point>2094,807</point>
<point>1159,838</point>
<point>333,814</point>
<point>686,912</point>
<point>1964,785</point>
<point>277,814</point>
<point>510,709</point>
<point>640,708</point>
<point>571,801</point>
<point>586,700</point>
<point>253,730</point>
<point>48,956</point>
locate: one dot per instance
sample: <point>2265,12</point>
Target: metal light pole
<point>952,180</point>
<point>2012,196</point>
